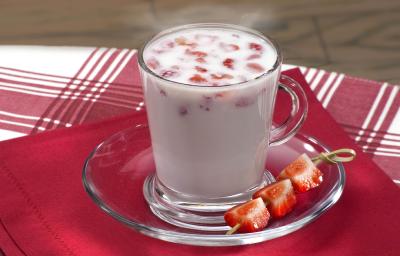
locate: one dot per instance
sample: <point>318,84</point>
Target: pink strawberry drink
<point>209,105</point>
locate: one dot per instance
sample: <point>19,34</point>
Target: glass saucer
<point>114,174</point>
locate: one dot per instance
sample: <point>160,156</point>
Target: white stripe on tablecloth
<point>35,118</point>
<point>372,111</point>
<point>326,86</point>
<point>390,143</point>
<point>92,64</point>
<point>111,79</point>
<point>51,81</point>
<point>383,114</point>
<point>332,90</point>
<point>53,92</point>
<point>317,79</point>
<point>33,81</point>
<point>378,153</point>
<point>310,74</point>
<point>20,124</point>
<point>66,97</point>
<point>103,77</point>
<point>27,87</point>
<point>27,75</point>
<point>7,134</point>
<point>383,149</point>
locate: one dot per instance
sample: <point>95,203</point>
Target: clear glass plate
<point>114,173</point>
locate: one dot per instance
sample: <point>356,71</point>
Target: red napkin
<point>44,209</point>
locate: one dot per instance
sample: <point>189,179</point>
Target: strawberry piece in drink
<point>251,216</point>
<point>255,47</point>
<point>228,62</point>
<point>200,69</point>
<point>229,47</point>
<point>198,79</point>
<point>221,76</point>
<point>279,197</point>
<point>303,174</point>
<point>153,63</point>
<point>198,54</point>
<point>255,67</point>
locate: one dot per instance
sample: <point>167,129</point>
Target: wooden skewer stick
<point>337,156</point>
<point>233,229</point>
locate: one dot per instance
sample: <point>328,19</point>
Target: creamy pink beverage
<point>209,94</point>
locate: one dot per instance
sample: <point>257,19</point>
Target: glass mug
<point>210,151</point>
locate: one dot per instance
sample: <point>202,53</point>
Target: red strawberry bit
<point>219,95</point>
<point>200,60</point>
<point>196,78</point>
<point>168,44</point>
<point>279,197</point>
<point>254,56</point>
<point>206,103</point>
<point>169,73</point>
<point>229,47</point>
<point>228,63</point>
<point>183,111</point>
<point>255,67</point>
<point>303,174</point>
<point>163,93</point>
<point>252,216</point>
<point>244,102</point>
<point>184,42</point>
<point>255,47</point>
<point>198,54</point>
<point>200,69</point>
<point>221,76</point>
<point>153,63</point>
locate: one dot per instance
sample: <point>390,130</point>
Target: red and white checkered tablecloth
<point>45,88</point>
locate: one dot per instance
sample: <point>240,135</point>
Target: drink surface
<point>209,56</point>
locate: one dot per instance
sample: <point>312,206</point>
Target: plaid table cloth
<point>44,88</point>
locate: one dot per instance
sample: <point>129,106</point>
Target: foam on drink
<point>211,57</point>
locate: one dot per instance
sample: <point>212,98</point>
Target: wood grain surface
<point>360,38</point>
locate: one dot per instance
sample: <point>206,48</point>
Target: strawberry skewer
<point>276,200</point>
<point>279,197</point>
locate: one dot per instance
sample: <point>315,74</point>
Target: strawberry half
<point>252,216</point>
<point>279,197</point>
<point>303,174</point>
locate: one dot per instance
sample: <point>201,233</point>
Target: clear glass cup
<point>212,157</point>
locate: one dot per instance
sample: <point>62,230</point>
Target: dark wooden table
<point>357,37</point>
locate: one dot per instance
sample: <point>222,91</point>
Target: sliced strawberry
<point>279,197</point>
<point>303,174</point>
<point>228,62</point>
<point>255,67</point>
<point>229,47</point>
<point>200,69</point>
<point>200,60</point>
<point>198,79</point>
<point>185,42</point>
<point>169,73</point>
<point>255,46</point>
<point>252,216</point>
<point>221,76</point>
<point>254,56</point>
<point>153,63</point>
<point>198,54</point>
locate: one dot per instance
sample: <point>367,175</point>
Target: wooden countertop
<point>360,38</point>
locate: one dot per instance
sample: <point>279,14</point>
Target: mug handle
<point>292,124</point>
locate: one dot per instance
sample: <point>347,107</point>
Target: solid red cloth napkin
<point>44,209</point>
